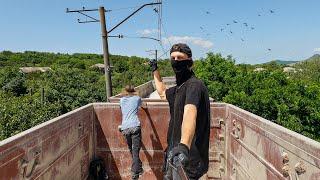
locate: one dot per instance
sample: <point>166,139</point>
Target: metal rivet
<point>221,137</point>
<point>285,170</point>
<point>235,132</point>
<point>221,168</point>
<point>285,157</point>
<point>300,168</point>
<point>233,170</point>
<point>239,127</point>
<point>221,121</point>
<point>234,122</point>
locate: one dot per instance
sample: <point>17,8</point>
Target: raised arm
<point>160,86</point>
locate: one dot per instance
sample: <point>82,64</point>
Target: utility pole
<point>105,53</point>
<point>155,53</point>
<point>105,37</point>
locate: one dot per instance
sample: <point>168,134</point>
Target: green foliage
<point>16,86</point>
<point>12,81</point>
<point>21,113</point>
<point>286,100</point>
<point>291,100</point>
<point>72,83</point>
<point>217,73</point>
<point>309,69</point>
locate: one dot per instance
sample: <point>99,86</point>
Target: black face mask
<point>182,70</point>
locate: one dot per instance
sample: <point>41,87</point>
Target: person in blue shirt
<point>130,127</point>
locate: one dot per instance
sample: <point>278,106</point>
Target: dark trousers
<point>133,137</point>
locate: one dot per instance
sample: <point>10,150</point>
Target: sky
<point>252,31</point>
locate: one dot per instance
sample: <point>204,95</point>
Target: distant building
<point>289,70</point>
<point>99,66</point>
<point>28,70</point>
<point>259,69</point>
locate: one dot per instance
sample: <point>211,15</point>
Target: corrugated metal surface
<point>112,147</point>
<point>242,146</point>
<point>260,149</point>
<point>57,149</point>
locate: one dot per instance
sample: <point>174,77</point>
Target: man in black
<point>189,127</point>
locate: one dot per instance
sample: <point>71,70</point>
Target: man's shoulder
<point>130,100</point>
<point>171,90</point>
<point>196,82</point>
<point>136,97</point>
<point>124,97</point>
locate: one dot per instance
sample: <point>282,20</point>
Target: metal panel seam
<point>264,162</point>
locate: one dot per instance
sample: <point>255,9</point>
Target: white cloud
<point>317,50</point>
<point>189,39</point>
<point>146,32</point>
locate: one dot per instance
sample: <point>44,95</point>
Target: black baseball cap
<point>181,47</point>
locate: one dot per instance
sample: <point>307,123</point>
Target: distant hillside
<point>310,69</point>
<point>281,62</point>
<point>314,57</point>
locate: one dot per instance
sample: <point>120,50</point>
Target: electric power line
<point>121,9</point>
<point>164,53</point>
<point>168,39</point>
<point>105,37</point>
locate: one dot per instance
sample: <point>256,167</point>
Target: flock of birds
<point>227,27</point>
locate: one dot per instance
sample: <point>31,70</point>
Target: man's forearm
<point>188,124</point>
<point>160,86</point>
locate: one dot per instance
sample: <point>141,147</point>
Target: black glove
<point>180,154</point>
<point>153,64</point>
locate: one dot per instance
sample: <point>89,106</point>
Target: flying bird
<point>156,10</point>
<point>259,14</point>
<point>235,21</point>
<point>207,12</point>
<point>231,32</point>
<point>252,28</point>
<point>221,29</point>
<point>246,24</point>
<point>228,24</point>
<point>271,11</point>
<point>269,49</point>
<point>242,39</point>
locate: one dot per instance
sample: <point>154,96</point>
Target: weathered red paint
<point>65,146</point>
<point>55,146</point>
<point>266,142</point>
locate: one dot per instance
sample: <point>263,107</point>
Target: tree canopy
<point>291,100</point>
